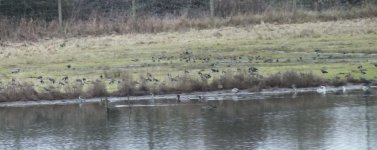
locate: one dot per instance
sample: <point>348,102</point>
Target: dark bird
<point>317,50</point>
<point>149,75</point>
<point>173,79</point>
<point>79,80</point>
<point>215,70</point>
<point>111,81</point>
<point>252,69</point>
<point>15,70</point>
<point>62,45</point>
<point>205,76</point>
<point>69,66</point>
<point>65,78</point>
<point>178,98</point>
<point>324,70</point>
<point>51,80</point>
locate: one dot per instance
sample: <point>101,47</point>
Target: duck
<point>340,90</point>
<point>365,87</point>
<point>321,90</point>
<point>178,98</point>
<point>294,88</point>
<point>203,99</point>
<point>81,100</point>
<point>153,100</point>
<point>235,90</point>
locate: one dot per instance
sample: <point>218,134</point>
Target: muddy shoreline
<point>214,95</point>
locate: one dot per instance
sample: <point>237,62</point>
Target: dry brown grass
<point>97,89</point>
<point>19,92</point>
<point>189,84</point>
<point>241,80</point>
<point>290,78</point>
<point>130,87</point>
<point>24,91</point>
<point>37,29</point>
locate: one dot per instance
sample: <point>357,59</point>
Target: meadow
<point>256,56</point>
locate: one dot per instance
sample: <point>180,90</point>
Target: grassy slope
<point>343,44</point>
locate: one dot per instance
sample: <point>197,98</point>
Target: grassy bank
<point>159,62</point>
<point>24,91</point>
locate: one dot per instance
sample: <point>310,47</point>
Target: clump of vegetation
<point>97,89</point>
<point>290,78</point>
<point>189,84</point>
<point>241,80</point>
<point>127,86</point>
<point>19,92</point>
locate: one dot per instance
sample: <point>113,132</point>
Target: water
<point>304,121</point>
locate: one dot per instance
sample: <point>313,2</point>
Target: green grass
<point>93,56</point>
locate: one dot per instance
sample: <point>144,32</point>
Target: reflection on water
<point>309,121</point>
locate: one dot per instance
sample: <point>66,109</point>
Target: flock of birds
<point>187,56</point>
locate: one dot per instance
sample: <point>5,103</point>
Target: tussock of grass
<point>241,80</point>
<point>187,84</point>
<point>290,78</point>
<point>97,89</point>
<point>19,92</point>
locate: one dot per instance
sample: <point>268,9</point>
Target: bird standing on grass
<point>324,70</point>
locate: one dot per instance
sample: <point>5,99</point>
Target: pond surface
<point>303,121</point>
